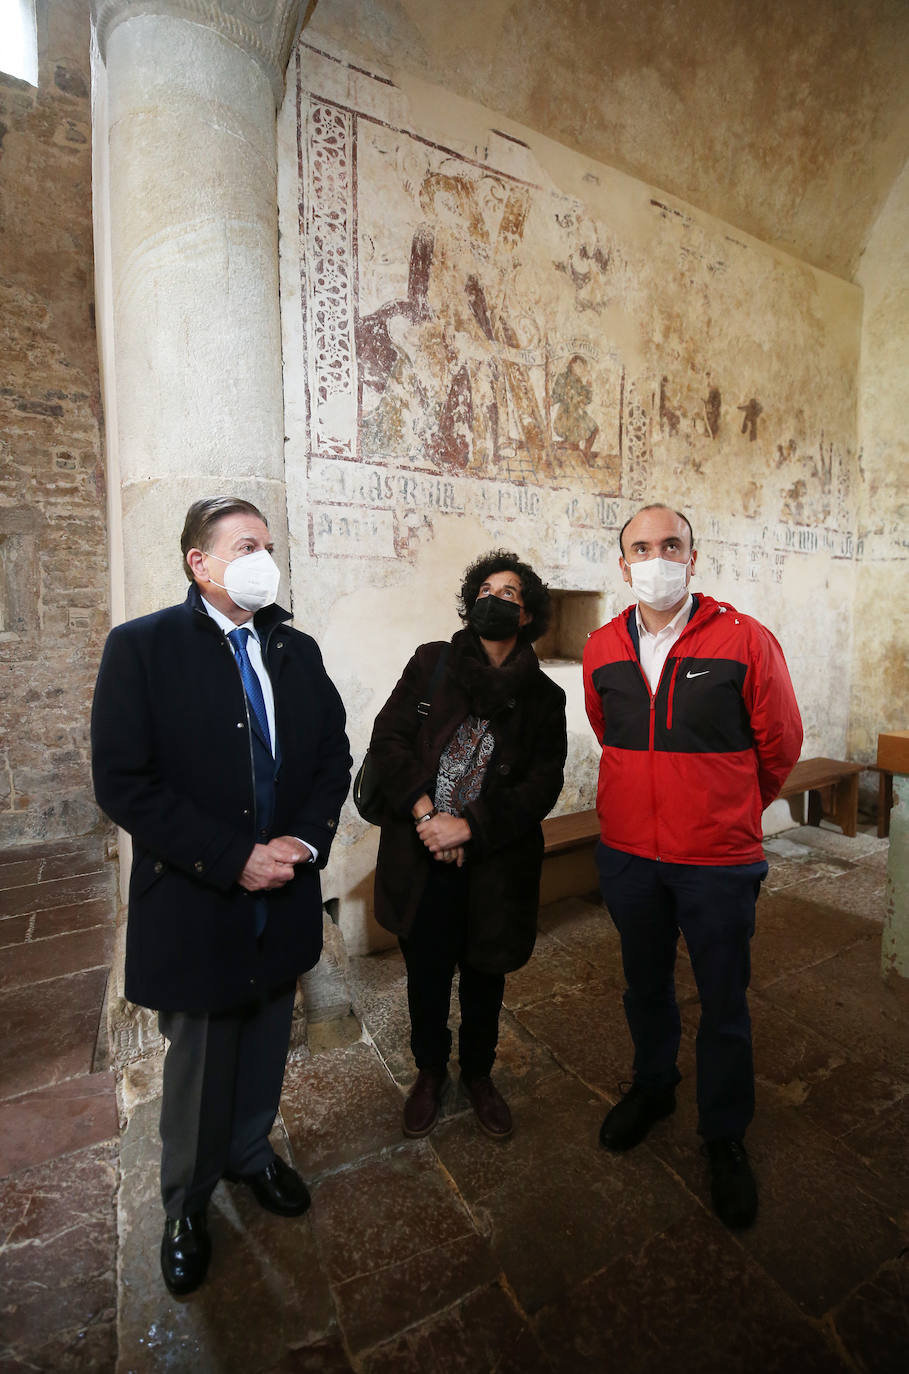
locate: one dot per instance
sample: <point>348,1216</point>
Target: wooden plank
<point>812,773</point>
<point>561,833</point>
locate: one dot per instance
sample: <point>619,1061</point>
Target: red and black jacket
<point>686,771</point>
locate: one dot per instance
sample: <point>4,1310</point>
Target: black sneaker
<point>630,1120</point>
<point>733,1190</point>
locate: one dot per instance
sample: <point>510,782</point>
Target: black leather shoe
<point>421,1109</point>
<point>185,1252</point>
<point>733,1190</point>
<point>278,1188</point>
<point>629,1120</point>
<point>491,1109</point>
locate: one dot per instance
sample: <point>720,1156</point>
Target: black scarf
<point>488,688</point>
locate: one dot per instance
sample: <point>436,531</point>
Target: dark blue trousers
<point>713,907</point>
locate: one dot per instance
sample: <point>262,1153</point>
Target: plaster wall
<point>880,671</point>
<point>53,547</point>
<point>491,340</point>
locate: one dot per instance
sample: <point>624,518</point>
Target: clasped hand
<point>445,836</point>
<point>272,865</point>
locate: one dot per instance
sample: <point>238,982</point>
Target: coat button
<point>199,866</point>
<point>331,825</point>
<point>280,644</point>
<point>511,703</point>
<point>240,724</point>
<point>504,769</point>
<point>246,811</point>
<point>159,867</point>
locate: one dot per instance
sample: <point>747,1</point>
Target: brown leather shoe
<point>490,1106</point>
<point>421,1110</point>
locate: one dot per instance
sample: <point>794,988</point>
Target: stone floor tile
<point>851,1095</point>
<point>338,1107</point>
<point>484,1333</point>
<point>379,991</point>
<point>327,1356</point>
<point>265,1293</point>
<point>845,999</point>
<point>78,887</point>
<point>553,968</point>
<point>832,841</point>
<point>792,932</point>
<point>859,891</point>
<point>57,1259</point>
<point>689,1300</point>
<point>18,872</point>
<point>587,1034</point>
<point>375,1306</point>
<point>384,1211</point>
<point>789,1056</point>
<point>873,1322</point>
<point>558,1111</point>
<point>877,861</point>
<point>14,930</point>
<point>56,1121</point>
<point>881,1145</point>
<point>800,868</point>
<point>48,1031</point>
<point>59,920</point>
<point>90,1349</point>
<point>545,1243</point>
<point>822,1223</point>
<point>39,960</point>
<point>585,928</point>
<point>783,846</point>
<point>86,860</point>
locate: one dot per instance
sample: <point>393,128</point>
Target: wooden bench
<point>573,831</point>
<point>832,787</point>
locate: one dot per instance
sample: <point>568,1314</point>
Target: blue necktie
<point>251,682</point>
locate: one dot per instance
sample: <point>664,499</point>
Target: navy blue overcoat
<point>171,761</point>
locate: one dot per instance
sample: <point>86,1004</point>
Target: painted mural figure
<point>470,750</point>
<point>218,744</point>
<point>572,393</point>
<point>446,361</point>
<point>699,728</point>
<point>752,411</point>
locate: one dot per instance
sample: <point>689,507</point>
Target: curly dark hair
<point>537,601</point>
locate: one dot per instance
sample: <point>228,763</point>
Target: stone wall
<point>880,676</point>
<point>492,340</point>
<point>53,547</point>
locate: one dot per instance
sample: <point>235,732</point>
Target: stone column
<point>188,242</point>
<point>893,754</point>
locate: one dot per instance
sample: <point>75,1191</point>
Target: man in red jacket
<point>693,706</point>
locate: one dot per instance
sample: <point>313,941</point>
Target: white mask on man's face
<point>251,581</point>
<point>659,582</point>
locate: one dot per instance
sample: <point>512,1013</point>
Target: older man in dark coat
<point>218,743</point>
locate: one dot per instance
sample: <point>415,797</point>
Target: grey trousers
<point>222,1086</point>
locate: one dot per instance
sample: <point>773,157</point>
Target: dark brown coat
<point>523,782</point>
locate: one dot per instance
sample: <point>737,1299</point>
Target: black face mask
<point>494,618</point>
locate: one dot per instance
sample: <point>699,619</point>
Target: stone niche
<point>491,341</point>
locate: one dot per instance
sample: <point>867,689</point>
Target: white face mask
<point>659,582</point>
<point>252,581</point>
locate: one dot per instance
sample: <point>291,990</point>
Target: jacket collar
<point>264,620</point>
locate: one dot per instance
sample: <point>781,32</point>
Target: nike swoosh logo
<point>702,673</point>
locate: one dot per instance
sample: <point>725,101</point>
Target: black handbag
<point>368,797</point>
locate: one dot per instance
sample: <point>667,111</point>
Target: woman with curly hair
<point>470,749</point>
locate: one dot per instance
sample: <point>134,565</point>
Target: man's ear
<point>195,560</point>
<point>626,571</point>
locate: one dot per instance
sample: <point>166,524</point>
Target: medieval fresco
<point>478,341</point>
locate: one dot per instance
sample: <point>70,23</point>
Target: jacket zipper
<point>652,730</point>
